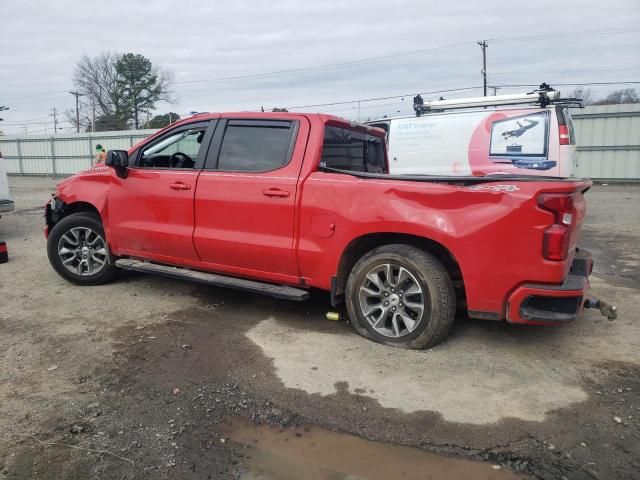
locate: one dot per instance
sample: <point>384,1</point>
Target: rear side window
<point>569,120</point>
<point>256,146</point>
<point>346,149</point>
<point>564,118</point>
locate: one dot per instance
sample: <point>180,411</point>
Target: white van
<point>523,134</point>
<point>6,204</point>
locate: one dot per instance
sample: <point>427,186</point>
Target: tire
<point>79,239</point>
<point>394,274</point>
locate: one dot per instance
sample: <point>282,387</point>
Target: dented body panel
<point>225,223</point>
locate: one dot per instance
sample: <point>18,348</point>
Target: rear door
<point>151,211</point>
<point>246,197</point>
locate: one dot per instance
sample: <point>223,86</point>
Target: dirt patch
<point>165,401</point>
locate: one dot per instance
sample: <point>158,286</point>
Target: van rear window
<point>346,149</point>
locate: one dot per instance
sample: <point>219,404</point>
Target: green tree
<point>161,121</point>
<point>141,85</point>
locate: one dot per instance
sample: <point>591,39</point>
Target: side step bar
<point>277,291</point>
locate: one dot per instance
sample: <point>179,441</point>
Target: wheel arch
<point>365,243</point>
<point>57,210</point>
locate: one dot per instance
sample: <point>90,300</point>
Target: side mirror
<point>119,160</point>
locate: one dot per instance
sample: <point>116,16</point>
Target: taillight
<point>555,243</point>
<point>563,131</point>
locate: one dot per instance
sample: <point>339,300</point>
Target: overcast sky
<point>41,42</point>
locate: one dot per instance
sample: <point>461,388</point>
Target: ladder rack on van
<point>543,96</point>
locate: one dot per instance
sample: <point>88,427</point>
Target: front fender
<point>85,191</point>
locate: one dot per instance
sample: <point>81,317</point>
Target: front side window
<point>256,146</point>
<point>179,150</point>
<point>346,149</point>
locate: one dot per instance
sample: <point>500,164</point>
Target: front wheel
<point>78,250</point>
<point>401,295</point>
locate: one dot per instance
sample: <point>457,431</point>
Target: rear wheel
<point>401,295</point>
<point>78,250</point>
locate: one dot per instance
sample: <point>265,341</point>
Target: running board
<point>277,291</point>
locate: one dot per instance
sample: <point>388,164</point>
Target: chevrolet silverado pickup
<point>280,203</point>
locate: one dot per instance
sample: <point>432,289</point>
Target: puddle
<point>303,453</point>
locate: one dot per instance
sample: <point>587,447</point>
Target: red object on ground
<point>4,253</point>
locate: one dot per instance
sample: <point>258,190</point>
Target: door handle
<point>180,186</point>
<point>275,192</point>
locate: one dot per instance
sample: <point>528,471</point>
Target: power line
<point>30,119</point>
<point>588,70</point>
<point>39,95</point>
<point>17,124</point>
<point>584,84</point>
<point>310,69</point>
<point>574,34</point>
<point>381,98</point>
<point>368,60</point>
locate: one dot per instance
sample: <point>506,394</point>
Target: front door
<point>151,211</point>
<point>246,197</point>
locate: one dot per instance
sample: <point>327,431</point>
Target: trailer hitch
<point>609,311</point>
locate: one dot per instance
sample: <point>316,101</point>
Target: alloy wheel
<point>391,300</point>
<point>83,251</point>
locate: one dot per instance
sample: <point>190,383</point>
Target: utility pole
<point>495,89</point>
<point>93,114</point>
<point>55,120</point>
<point>77,95</point>
<point>483,45</point>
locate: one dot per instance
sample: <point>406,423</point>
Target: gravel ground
<point>140,378</point>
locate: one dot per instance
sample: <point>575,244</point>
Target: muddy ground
<point>143,378</point>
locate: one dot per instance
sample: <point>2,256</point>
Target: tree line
<point>623,96</point>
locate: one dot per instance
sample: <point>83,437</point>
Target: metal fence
<point>608,138</point>
<point>62,154</point>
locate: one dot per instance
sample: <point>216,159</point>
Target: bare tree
<point>625,95</point>
<point>583,93</point>
<point>96,78</point>
<point>85,116</point>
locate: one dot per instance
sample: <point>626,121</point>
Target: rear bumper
<point>6,206</point>
<point>540,304</point>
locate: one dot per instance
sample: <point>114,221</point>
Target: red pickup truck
<point>279,203</point>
